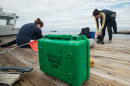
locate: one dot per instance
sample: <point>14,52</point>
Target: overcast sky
<point>66,14</point>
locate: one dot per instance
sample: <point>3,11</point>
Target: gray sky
<point>66,14</point>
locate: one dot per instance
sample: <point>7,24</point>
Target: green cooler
<point>66,57</point>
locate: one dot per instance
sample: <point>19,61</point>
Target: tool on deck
<point>9,75</point>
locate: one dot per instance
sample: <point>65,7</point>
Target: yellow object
<point>91,62</point>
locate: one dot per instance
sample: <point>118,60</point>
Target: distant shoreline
<point>123,32</point>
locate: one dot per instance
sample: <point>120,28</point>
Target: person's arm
<point>39,34</point>
<point>97,25</point>
<point>103,21</point>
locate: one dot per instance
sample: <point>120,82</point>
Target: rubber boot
<point>102,39</point>
<point>99,39</point>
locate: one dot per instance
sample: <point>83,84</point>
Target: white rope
<point>12,48</point>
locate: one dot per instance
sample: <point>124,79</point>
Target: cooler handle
<point>66,37</point>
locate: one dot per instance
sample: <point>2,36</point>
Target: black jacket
<point>108,14</point>
<point>28,32</point>
<point>108,18</point>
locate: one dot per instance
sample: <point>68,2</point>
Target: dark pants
<point>109,24</point>
<point>11,43</point>
<point>114,25</point>
<point>14,42</point>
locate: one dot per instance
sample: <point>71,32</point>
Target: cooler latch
<point>70,75</point>
<point>69,55</point>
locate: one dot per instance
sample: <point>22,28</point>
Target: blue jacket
<point>28,32</point>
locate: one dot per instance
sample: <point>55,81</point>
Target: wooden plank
<point>111,68</point>
<point>28,59</point>
<point>24,51</point>
<point>111,48</point>
<point>28,79</point>
<point>95,80</point>
<point>34,61</point>
<point>1,64</point>
<point>112,61</point>
<point>111,54</point>
<point>31,63</point>
<point>111,73</point>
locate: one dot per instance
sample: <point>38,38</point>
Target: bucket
<point>92,34</point>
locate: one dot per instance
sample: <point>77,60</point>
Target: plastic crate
<point>66,57</point>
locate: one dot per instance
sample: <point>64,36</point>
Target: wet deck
<point>111,68</point>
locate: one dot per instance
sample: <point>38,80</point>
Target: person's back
<point>107,13</point>
<point>28,32</point>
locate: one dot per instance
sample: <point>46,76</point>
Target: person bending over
<point>27,33</point>
<point>107,19</point>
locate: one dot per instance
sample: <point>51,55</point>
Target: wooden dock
<point>111,68</point>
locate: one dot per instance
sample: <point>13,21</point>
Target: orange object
<point>91,62</point>
<point>34,45</point>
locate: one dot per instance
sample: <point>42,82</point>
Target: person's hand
<point>99,33</point>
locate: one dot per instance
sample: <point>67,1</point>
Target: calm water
<point>77,31</point>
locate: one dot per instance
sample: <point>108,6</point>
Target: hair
<point>38,21</point>
<point>96,12</point>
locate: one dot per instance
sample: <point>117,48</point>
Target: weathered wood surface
<point>111,68</point>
